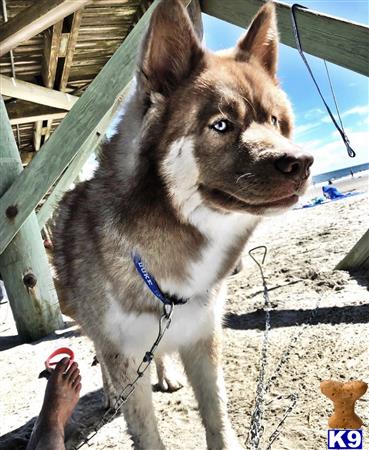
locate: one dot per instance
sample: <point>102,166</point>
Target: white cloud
<point>359,110</point>
<point>313,113</point>
<point>355,111</point>
<point>333,155</point>
<point>314,143</point>
<point>301,130</point>
<point>336,135</point>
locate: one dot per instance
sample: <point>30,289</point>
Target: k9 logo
<point>345,439</point>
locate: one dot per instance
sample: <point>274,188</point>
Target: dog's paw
<point>109,401</point>
<point>168,379</point>
<point>167,384</point>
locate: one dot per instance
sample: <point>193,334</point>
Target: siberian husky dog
<point>202,153</point>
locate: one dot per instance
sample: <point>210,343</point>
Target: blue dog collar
<point>152,284</point>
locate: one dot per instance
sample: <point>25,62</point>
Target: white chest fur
<point>222,233</point>
<point>134,334</point>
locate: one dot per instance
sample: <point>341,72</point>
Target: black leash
<point>340,129</point>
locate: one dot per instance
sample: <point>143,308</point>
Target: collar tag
<point>149,279</point>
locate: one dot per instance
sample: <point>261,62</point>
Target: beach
<point>319,330</point>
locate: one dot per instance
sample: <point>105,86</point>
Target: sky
<point>313,127</point>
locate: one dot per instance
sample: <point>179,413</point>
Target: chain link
<point>275,434</point>
<point>164,323</point>
<point>256,427</point>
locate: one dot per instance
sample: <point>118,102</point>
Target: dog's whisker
<point>245,175</point>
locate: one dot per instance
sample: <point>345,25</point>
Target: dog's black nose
<point>295,165</point>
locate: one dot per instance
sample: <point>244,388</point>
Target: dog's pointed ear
<point>261,40</point>
<point>171,49</point>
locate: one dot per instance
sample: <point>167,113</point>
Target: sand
<point>303,248</point>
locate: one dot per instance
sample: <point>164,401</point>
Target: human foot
<point>62,393</point>
<point>61,396</point>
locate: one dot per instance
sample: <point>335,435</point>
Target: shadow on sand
<point>334,315</point>
<point>87,413</point>
<point>8,342</point>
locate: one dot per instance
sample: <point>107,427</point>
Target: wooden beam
<point>76,128</point>
<point>26,157</point>
<point>41,15</point>
<point>21,112</point>
<point>72,41</point>
<point>358,257</point>
<point>52,41</point>
<point>48,129</point>
<point>37,135</point>
<point>65,181</point>
<point>24,265</point>
<point>75,167</point>
<point>33,93</point>
<point>336,40</point>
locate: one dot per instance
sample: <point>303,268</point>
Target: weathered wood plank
<point>48,129</point>
<point>66,180</point>
<point>75,167</point>
<point>52,41</point>
<point>358,257</point>
<point>37,135</point>
<point>34,93</point>
<point>74,131</point>
<point>336,40</point>
<point>23,265</point>
<point>41,15</point>
<point>72,41</point>
<point>21,112</point>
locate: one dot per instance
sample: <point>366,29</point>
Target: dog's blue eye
<point>221,126</point>
<point>274,121</point>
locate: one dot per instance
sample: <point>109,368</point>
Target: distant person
<point>352,173</point>
<point>331,192</point>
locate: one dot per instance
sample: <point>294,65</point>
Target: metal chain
<point>290,346</point>
<point>275,434</point>
<point>256,427</point>
<point>164,323</point>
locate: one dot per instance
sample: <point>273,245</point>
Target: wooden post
<point>24,265</point>
<point>358,257</point>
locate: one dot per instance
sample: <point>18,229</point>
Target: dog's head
<point>220,122</point>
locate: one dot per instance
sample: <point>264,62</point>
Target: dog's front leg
<point>138,410</point>
<point>202,362</point>
<point>168,379</point>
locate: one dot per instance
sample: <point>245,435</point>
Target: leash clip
<point>351,152</point>
<point>168,310</point>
